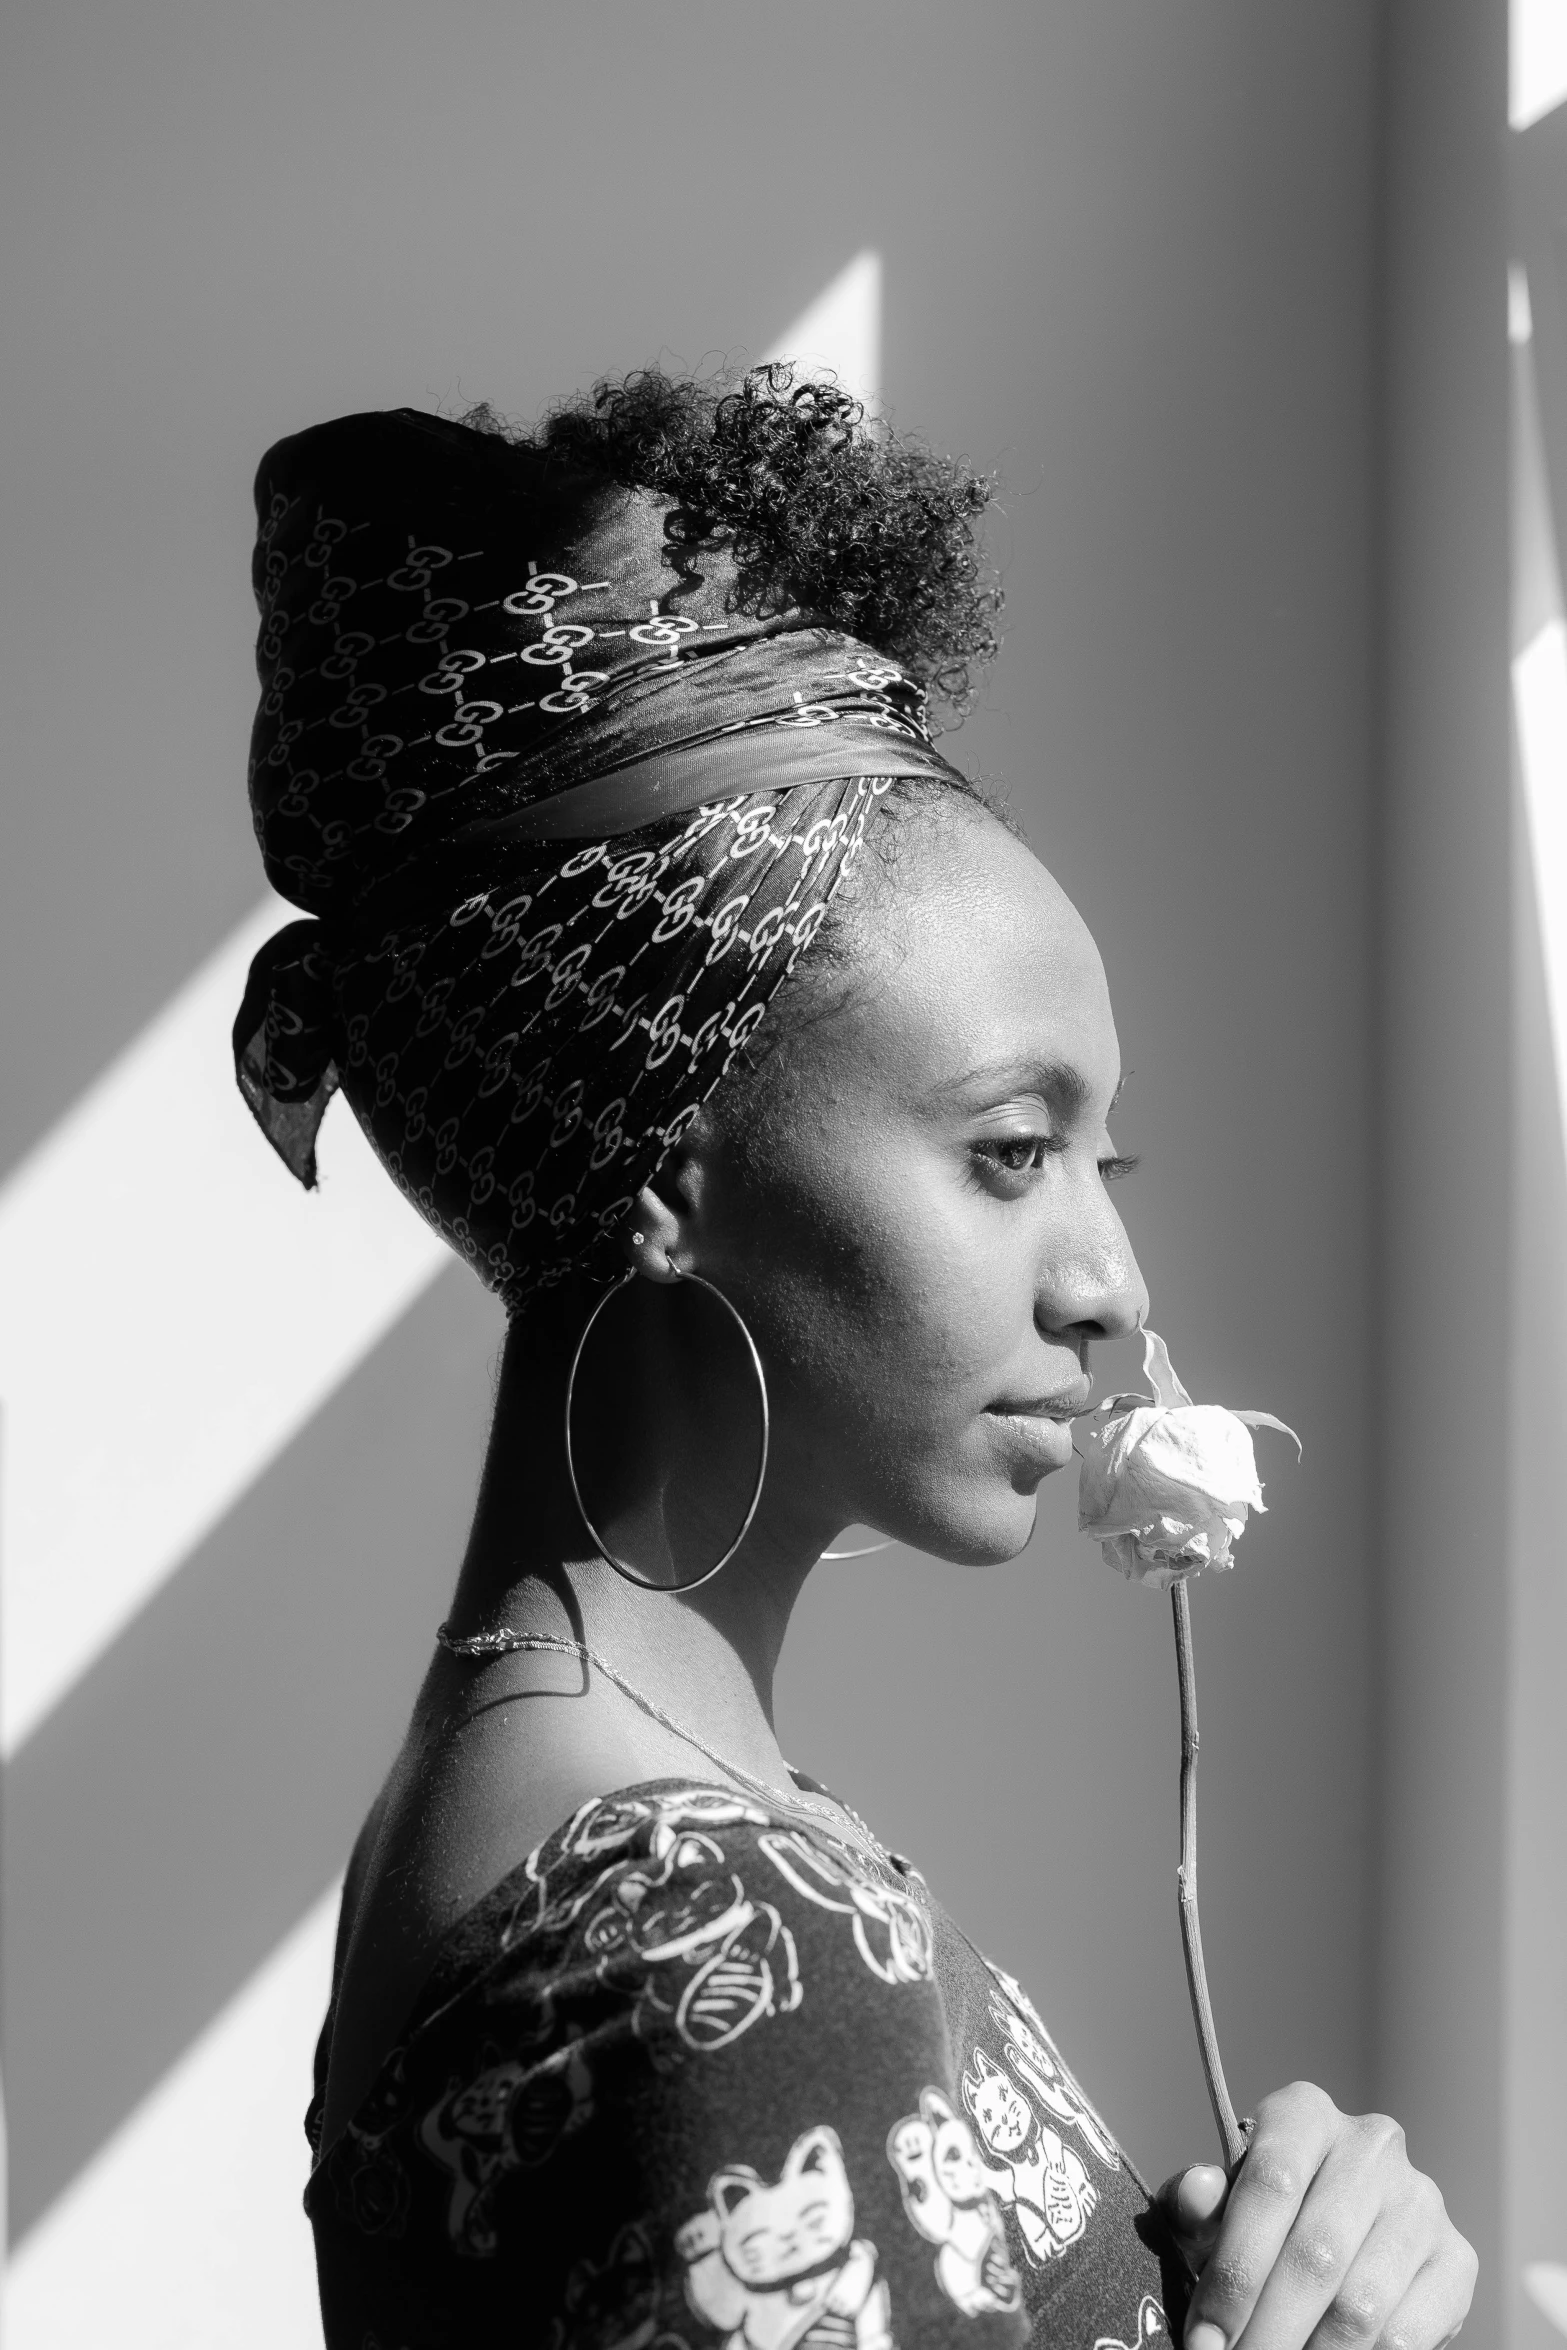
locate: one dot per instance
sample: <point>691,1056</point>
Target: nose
<point>1089,1284</point>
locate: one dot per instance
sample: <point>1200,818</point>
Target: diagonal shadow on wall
<point>200,1787</point>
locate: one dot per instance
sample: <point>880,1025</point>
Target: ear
<point>728,2189</point>
<point>818,2150</point>
<point>629,2253</point>
<point>662,1235</point>
<point>652,1237</point>
<point>935,2107</point>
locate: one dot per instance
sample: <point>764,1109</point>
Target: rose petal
<point>1167,1485</point>
<point>1195,1464</point>
<point>1121,1552</point>
<point>1266,1420</point>
<point>1159,1371</point>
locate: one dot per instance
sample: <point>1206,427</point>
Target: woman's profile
<point>766,1076</point>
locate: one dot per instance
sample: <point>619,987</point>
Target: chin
<point>985,1533</point>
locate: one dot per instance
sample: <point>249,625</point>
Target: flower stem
<point>1230,2131</point>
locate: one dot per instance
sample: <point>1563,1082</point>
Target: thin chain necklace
<point>504,1643</point>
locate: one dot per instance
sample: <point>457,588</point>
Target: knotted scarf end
<point>284,1060</point>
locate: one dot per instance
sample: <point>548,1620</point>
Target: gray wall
<point>1131,258</point>
<point>1445,1075</point>
<point>1181,391</point>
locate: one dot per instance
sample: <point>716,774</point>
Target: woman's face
<point>911,1210</point>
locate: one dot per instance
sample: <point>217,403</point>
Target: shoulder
<point>696,1883</point>
<point>463,1807</point>
<point>670,1904</point>
<point>682,2039</point>
<point>699,2065</point>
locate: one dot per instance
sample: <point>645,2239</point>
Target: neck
<point>709,1655</point>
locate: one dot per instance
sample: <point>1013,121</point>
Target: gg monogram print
<point>527,988</point>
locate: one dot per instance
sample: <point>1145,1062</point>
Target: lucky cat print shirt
<point>701,2076</point>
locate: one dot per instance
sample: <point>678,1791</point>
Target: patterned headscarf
<point>564,820</point>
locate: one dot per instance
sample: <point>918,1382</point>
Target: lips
<point>1068,1404</point>
<point>1036,1442</point>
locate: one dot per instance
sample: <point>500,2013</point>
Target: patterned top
<point>699,2075</point>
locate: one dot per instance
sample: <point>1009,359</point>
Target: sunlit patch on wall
<point>840,333</point>
<point>1536,59</point>
<point>192,2209</point>
<point>173,1309</point>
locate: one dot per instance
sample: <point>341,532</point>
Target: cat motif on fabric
<point>1038,2063</point>
<point>613,2303</point>
<point>510,2118</point>
<point>1153,2330</point>
<point>891,1931</point>
<point>777,2266</point>
<point>717,1962</point>
<point>948,2196</point>
<point>1044,2181</point>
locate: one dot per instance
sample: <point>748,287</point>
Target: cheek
<point>891,1299</point>
<point>864,1263</point>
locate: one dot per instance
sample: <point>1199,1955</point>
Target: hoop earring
<point>624,1566</point>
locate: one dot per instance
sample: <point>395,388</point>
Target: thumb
<point>1192,2202</point>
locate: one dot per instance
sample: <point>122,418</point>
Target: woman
<point>765,1074</point>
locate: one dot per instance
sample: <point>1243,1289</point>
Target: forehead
<point>975,959</point>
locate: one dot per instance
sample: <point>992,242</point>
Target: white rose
<point>1166,1485</point>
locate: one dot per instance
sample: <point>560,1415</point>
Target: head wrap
<point>564,819</point>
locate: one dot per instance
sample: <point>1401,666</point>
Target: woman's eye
<point>1014,1154</point>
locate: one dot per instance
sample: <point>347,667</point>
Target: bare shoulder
<point>469,1797</point>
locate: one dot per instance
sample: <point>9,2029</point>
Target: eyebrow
<point>1056,1080</point>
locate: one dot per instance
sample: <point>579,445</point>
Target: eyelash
<point>1040,1147</point>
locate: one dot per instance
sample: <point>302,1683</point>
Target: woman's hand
<point>1327,2237</point>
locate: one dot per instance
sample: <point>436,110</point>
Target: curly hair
<point>826,510</point>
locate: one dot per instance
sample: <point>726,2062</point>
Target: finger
<point>1291,2143</point>
<point>1200,2197</point>
<point>1375,2284</point>
<point>1193,2199</point>
<point>1192,2202</point>
<point>1346,2217</point>
<point>1436,2303</point>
